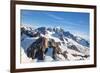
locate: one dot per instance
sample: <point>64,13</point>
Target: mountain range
<point>72,47</point>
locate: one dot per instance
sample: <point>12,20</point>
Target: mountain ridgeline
<point>60,32</point>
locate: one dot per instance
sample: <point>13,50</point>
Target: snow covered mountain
<point>61,45</point>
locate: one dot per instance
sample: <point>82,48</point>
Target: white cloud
<point>54,16</point>
<point>80,34</point>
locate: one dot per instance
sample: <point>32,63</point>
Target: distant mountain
<point>69,35</point>
<point>82,41</point>
<point>72,47</point>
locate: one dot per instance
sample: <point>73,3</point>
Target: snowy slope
<point>27,41</point>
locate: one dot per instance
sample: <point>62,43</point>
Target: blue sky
<point>75,22</point>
